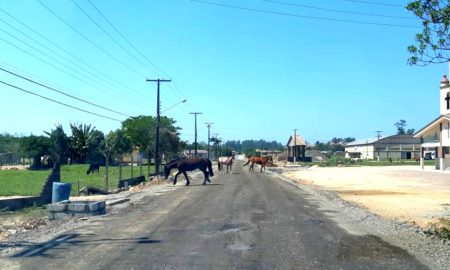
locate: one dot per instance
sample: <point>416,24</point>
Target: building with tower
<point>435,137</point>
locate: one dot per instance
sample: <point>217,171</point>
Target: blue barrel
<point>60,191</point>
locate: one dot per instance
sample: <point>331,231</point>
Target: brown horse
<point>258,160</point>
<point>189,164</point>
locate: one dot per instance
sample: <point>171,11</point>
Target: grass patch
<point>29,213</point>
<point>30,183</point>
<point>440,228</point>
<point>22,183</point>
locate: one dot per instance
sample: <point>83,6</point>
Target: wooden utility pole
<point>195,114</point>
<point>295,145</point>
<point>378,134</point>
<point>209,126</point>
<point>158,108</point>
<point>217,145</point>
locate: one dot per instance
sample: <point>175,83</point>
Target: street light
<point>181,101</point>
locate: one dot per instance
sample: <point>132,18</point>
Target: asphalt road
<point>240,221</point>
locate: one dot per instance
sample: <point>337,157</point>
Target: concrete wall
<point>44,198</point>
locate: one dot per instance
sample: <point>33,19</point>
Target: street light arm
<point>181,101</point>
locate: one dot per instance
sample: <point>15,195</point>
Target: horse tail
<point>210,170</point>
<point>218,165</point>
<point>247,162</point>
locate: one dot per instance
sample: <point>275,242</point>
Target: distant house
<point>191,153</point>
<point>296,148</point>
<point>435,136</point>
<point>135,157</point>
<point>391,147</point>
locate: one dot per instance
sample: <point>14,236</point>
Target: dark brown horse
<point>258,160</point>
<point>93,168</point>
<point>189,164</point>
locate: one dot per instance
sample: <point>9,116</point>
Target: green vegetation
<point>30,182</point>
<point>22,183</point>
<point>29,212</point>
<point>440,228</point>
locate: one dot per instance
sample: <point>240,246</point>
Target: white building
<point>392,147</point>
<point>436,135</point>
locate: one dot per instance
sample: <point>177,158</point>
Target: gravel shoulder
<point>401,193</point>
<point>355,219</point>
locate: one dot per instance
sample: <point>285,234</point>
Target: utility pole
<point>295,145</point>
<point>209,126</point>
<point>217,145</point>
<point>378,134</point>
<point>195,114</point>
<point>158,108</point>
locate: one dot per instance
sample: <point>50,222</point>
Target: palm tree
<point>83,137</point>
<point>59,143</point>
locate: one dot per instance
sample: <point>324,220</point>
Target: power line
<point>46,62</point>
<point>111,37</point>
<point>90,41</point>
<point>375,3</point>
<point>116,84</point>
<point>93,76</point>
<point>302,16</point>
<point>338,11</point>
<point>137,50</point>
<point>61,103</point>
<point>128,41</point>
<point>61,92</point>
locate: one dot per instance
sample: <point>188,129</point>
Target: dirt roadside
<point>31,219</point>
<point>401,193</point>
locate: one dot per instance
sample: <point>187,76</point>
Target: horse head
<point>166,172</point>
<point>169,167</point>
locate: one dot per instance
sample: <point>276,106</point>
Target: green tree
<point>433,43</point>
<point>35,147</point>
<point>117,144</point>
<point>142,131</point>
<point>250,152</point>
<point>170,143</point>
<point>82,141</point>
<point>59,143</point>
<point>401,127</point>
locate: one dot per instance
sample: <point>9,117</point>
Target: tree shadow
<point>67,241</point>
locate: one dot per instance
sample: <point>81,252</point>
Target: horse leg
<point>176,176</point>
<point>206,176</point>
<point>205,173</point>
<point>187,179</point>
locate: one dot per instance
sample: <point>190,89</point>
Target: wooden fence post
<point>132,161</point>
<point>106,173</point>
<point>120,171</point>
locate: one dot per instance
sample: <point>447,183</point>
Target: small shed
<point>296,148</point>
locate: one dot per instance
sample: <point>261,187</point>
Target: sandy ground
<point>403,193</point>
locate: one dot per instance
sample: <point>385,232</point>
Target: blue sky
<point>255,75</point>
